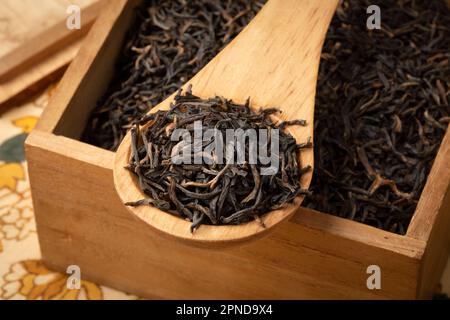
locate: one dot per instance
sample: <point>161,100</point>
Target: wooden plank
<point>37,77</point>
<point>431,221</point>
<point>436,252</point>
<point>434,192</point>
<point>20,21</point>
<point>45,44</point>
<point>81,220</point>
<point>89,75</point>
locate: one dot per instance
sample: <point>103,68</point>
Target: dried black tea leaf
<point>381,110</point>
<point>216,188</point>
<point>382,103</point>
<point>172,41</point>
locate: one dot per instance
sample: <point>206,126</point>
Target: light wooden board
<point>431,222</point>
<point>22,21</point>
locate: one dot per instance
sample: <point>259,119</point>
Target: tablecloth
<point>22,273</point>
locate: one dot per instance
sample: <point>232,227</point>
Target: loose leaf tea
<point>382,109</point>
<point>173,40</point>
<point>382,103</point>
<point>213,190</point>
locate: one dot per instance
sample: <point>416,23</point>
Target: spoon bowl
<point>275,61</point>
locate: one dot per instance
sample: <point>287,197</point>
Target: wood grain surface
<point>22,20</point>
<point>26,26</point>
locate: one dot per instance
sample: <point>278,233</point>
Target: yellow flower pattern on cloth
<point>16,213</point>
<point>32,281</point>
<point>22,273</point>
<point>26,123</point>
<point>10,173</point>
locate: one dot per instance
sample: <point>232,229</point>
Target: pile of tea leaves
<point>171,41</point>
<point>211,185</point>
<point>382,103</point>
<point>382,109</point>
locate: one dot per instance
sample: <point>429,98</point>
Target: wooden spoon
<point>275,61</point>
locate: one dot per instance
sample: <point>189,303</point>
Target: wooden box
<point>81,221</point>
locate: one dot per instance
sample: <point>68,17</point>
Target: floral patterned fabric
<point>22,273</point>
